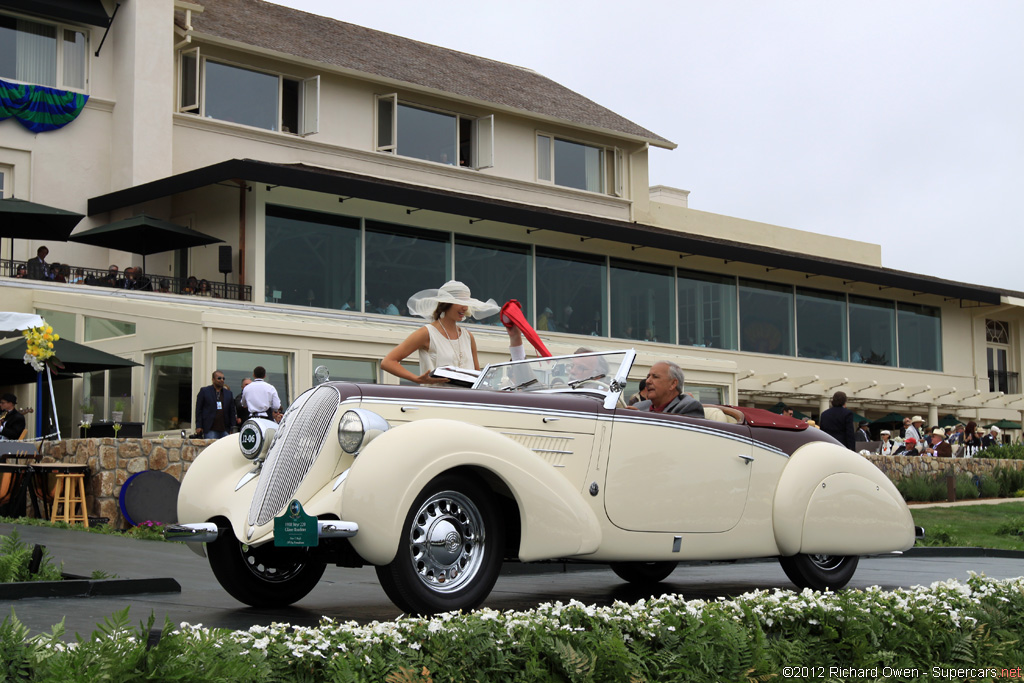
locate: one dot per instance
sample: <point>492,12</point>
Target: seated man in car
<point>665,385</point>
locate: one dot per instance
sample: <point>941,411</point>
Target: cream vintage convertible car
<point>437,487</point>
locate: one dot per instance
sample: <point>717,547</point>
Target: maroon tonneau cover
<point>759,417</point>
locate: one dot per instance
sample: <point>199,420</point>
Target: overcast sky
<point>897,123</point>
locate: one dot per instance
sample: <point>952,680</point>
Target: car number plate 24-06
<point>295,529</point>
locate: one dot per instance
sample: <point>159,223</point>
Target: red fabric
<point>512,315</point>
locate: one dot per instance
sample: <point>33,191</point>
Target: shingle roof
<point>310,36</point>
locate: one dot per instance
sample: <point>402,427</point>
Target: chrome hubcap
<point>256,560</point>
<point>827,562</point>
<point>446,541</point>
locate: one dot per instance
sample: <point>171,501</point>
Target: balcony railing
<point>1006,382</point>
<point>160,284</point>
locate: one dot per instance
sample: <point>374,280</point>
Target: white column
<point>933,415</point>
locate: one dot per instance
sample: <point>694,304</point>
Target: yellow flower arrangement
<point>39,351</point>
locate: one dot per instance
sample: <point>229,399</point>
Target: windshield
<point>603,372</point>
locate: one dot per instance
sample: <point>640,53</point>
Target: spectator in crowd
<point>906,426</point>
<point>914,430</point>
<point>12,424</point>
<point>909,447</point>
<point>22,271</point>
<point>938,447</point>
<point>112,278</point>
<point>260,397</point>
<point>78,278</point>
<point>972,440</point>
<point>862,433</point>
<point>191,285</point>
<point>788,412</point>
<point>215,408</point>
<point>887,446</point>
<point>837,421</point>
<point>38,268</point>
<point>957,437</point>
<point>640,395</point>
<point>165,286</point>
<point>993,438</point>
<point>57,273</point>
<point>204,289</point>
<point>241,412</point>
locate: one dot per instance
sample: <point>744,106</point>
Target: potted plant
<point>87,413</point>
<point>118,412</point>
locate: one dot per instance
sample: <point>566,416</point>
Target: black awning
<point>347,184</point>
<point>79,11</point>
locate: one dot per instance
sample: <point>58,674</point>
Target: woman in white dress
<point>443,342</point>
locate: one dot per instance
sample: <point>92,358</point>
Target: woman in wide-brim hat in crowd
<point>442,342</point>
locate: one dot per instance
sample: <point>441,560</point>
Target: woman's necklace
<point>456,347</point>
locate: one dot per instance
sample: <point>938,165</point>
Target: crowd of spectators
<point>131,278</point>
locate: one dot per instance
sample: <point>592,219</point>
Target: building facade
<point>345,169</point>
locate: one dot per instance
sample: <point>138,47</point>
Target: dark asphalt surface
<point>354,594</point>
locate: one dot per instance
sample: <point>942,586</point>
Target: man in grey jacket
<point>665,384</point>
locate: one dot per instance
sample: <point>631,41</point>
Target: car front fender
<point>386,477</point>
<point>210,487</point>
<point>830,500</point>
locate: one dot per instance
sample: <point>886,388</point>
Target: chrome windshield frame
<point>616,383</point>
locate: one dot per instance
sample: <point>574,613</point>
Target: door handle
<point>406,409</point>
<point>551,419</point>
<point>747,458</point>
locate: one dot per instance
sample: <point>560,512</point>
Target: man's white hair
<point>676,373</point>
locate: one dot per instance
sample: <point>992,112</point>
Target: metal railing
<point>1006,382</point>
<point>143,283</point>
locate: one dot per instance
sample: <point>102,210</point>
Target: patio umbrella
<point>20,218</point>
<point>144,235</point>
<point>886,419</point>
<point>949,421</point>
<point>75,357</point>
<point>1004,424</point>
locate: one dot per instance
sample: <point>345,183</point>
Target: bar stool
<point>69,495</point>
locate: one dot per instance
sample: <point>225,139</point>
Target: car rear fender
<point>387,476</point>
<point>830,500</point>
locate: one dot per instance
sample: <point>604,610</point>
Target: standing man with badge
<point>215,409</point>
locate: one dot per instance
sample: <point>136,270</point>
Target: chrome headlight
<point>255,435</point>
<point>358,427</point>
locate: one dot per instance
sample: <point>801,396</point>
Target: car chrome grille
<point>293,452</point>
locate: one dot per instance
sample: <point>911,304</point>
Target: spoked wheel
<point>820,572</point>
<point>451,549</point>
<point>643,573</point>
<point>263,576</point>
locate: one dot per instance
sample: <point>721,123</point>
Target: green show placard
<point>295,529</point>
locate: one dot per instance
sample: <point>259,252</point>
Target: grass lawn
<point>971,525</point>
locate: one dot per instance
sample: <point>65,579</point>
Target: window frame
<point>59,75</point>
<point>611,164</point>
<point>307,98</point>
<point>481,138</point>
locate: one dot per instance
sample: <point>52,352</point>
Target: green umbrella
<point>949,421</point>
<point>144,235</point>
<point>1004,424</point>
<point>891,417</point>
<point>75,358</point>
<point>19,218</point>
<point>860,418</point>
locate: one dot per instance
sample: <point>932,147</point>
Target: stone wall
<point>896,467</point>
<point>111,461</point>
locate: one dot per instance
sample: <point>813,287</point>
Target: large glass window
<point>494,270</point>
<point>766,318</point>
<point>820,324</point>
<point>641,302</point>
<point>707,310</point>
<point>170,392</point>
<point>237,365</point>
<point>920,336</point>
<point>571,164</point>
<point>872,331</point>
<point>42,54</point>
<point>348,369</point>
<point>571,293</point>
<point>254,98</point>
<point>428,135</point>
<point>105,391</point>
<point>315,261</point>
<point>103,328</point>
<point>241,95</point>
<point>401,261</point>
<point>62,323</point>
